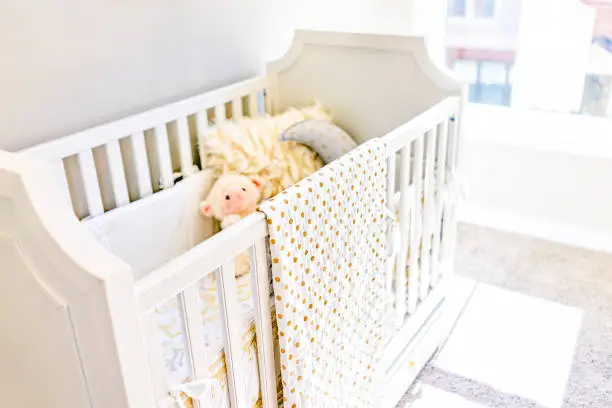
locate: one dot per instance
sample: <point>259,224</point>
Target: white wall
<point>428,18</point>
<point>540,174</point>
<point>284,16</point>
<point>403,17</point>
<point>70,64</point>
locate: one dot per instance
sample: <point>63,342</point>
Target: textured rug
<point>578,278</point>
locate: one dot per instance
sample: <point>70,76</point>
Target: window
<point>471,8</point>
<point>484,8</point>
<point>530,56</point>
<point>456,8</point>
<point>490,81</point>
<point>466,70</point>
<point>493,83</point>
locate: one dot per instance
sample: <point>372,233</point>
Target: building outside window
<point>549,55</point>
<point>484,8</point>
<point>456,8</point>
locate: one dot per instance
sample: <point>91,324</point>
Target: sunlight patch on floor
<point>514,343</point>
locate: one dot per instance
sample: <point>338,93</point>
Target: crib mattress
<point>172,337</point>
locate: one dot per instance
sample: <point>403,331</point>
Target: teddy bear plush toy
<point>231,198</point>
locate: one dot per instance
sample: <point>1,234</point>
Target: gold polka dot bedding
<point>327,243</point>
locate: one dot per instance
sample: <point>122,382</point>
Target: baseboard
<point>556,232</point>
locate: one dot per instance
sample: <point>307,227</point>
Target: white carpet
<point>537,332</point>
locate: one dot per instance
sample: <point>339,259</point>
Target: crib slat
<point>59,174</point>
<point>439,194</point>
<point>191,310</point>
<point>452,147</point>
<point>428,213</point>
<point>141,164</point>
<point>267,100</point>
<point>184,146</point>
<point>156,357</point>
<point>391,205</point>
<point>254,105</point>
<point>263,323</point>
<point>201,118</point>
<point>117,173</point>
<point>164,159</point>
<point>405,228</point>
<point>449,227</point>
<point>228,308</point>
<point>415,221</point>
<point>237,108</point>
<point>220,114</point>
<point>91,184</point>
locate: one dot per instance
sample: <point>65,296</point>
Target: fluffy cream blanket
<point>251,146</point>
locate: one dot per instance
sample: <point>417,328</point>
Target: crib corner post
<point>263,322</point>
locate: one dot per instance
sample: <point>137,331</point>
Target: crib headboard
<point>354,72</point>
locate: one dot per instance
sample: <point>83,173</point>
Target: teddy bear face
<point>238,198</point>
<point>232,194</point>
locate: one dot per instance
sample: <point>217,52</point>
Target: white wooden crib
<point>95,234</point>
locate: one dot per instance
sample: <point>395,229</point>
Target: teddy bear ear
<point>256,181</point>
<point>206,208</point>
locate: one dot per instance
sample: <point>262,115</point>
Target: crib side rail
<point>111,165</point>
<point>181,278</point>
<point>421,162</point>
